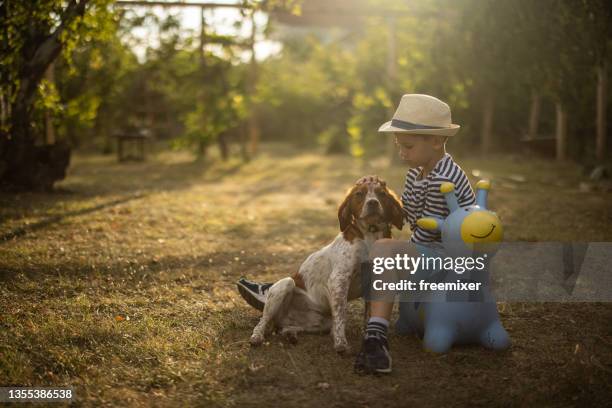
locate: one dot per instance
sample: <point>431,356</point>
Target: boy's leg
<point>382,309</point>
<point>253,292</point>
<point>374,355</point>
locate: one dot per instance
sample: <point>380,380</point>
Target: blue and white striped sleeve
<point>463,189</point>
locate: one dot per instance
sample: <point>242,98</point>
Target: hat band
<point>402,124</point>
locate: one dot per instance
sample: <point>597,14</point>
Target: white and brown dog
<point>315,298</point>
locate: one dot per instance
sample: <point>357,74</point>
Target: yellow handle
<point>427,223</point>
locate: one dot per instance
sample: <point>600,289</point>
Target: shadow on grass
<point>91,178</point>
<point>177,269</point>
<point>105,177</point>
<point>18,232</point>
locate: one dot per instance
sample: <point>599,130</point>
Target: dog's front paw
<point>256,339</point>
<point>342,346</point>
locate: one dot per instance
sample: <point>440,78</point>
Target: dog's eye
<point>359,194</point>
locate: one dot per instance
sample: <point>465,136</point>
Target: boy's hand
<point>370,179</point>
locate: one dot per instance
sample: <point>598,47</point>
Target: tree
<point>33,36</point>
<point>595,25</point>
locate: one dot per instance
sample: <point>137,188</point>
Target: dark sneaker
<point>374,356</point>
<point>254,293</point>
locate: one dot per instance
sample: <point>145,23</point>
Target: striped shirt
<point>422,198</point>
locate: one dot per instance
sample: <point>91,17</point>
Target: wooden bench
<point>544,145</point>
<point>131,146</point>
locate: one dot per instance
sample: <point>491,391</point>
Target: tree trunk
<point>22,164</point>
<point>253,120</point>
<point>45,53</point>
<point>392,77</point>
<point>600,141</point>
<point>202,149</point>
<point>223,147</point>
<point>4,113</point>
<point>534,116</point>
<point>202,36</point>
<point>253,134</point>
<point>103,127</point>
<point>244,152</point>
<point>561,132</point>
<point>486,138</point>
<point>49,129</point>
<point>392,50</point>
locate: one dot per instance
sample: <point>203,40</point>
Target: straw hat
<point>422,114</point>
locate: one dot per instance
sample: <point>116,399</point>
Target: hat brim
<point>448,131</point>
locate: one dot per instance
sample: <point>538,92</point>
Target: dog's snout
<point>372,204</point>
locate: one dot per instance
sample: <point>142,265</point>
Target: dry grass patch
<point>122,285</point>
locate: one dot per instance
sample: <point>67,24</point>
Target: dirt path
<point>123,287</point>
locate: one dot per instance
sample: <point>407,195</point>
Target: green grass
<point>122,285</point>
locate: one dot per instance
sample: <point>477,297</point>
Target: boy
<point>421,126</point>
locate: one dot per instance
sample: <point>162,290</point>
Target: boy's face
<point>418,150</point>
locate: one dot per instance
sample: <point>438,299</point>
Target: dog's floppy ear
<point>394,212</point>
<point>345,217</point>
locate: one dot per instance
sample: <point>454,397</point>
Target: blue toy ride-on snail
<point>443,318</point>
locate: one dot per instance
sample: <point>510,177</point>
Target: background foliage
<point>330,89</point>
